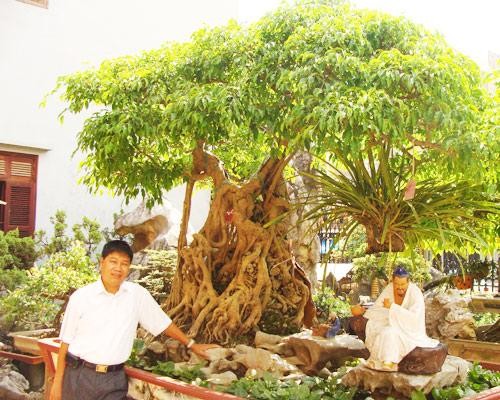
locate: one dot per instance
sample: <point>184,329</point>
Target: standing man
<point>396,323</point>
<point>99,328</point>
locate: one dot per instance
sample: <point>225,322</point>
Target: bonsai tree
<point>231,108</point>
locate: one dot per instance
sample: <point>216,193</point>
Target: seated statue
<point>396,323</point>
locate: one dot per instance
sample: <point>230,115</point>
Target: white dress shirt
<point>100,327</point>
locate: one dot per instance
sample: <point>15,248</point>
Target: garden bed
<point>487,353</point>
<point>50,347</point>
<point>27,341</point>
<point>166,387</point>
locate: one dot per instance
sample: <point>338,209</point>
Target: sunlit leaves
<point>313,76</point>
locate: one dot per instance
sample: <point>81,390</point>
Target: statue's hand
<point>387,303</point>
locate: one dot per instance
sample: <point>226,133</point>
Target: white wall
<point>37,45</point>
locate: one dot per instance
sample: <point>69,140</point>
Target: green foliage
<point>477,268</point>
<point>36,303</point>
<point>87,232</point>
<point>186,374</point>
<point>16,252</point>
<point>269,388</point>
<point>136,358</point>
<point>328,79</point>
<point>353,246</point>
<point>326,302</point>
<point>158,274</point>
<point>381,265</point>
<point>485,318</point>
<point>12,278</point>
<point>478,379</point>
<point>277,323</point>
<point>59,241</point>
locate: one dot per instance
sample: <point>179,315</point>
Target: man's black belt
<point>75,362</point>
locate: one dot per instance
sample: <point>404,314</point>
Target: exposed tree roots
<point>237,266</point>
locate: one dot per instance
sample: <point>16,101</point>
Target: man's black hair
<point>119,246</point>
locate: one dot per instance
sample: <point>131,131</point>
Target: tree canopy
<point>315,76</point>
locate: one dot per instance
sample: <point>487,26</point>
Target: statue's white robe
<point>391,333</point>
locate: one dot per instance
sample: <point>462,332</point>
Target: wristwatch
<point>190,343</point>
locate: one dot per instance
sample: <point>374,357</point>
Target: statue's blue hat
<point>401,272</point>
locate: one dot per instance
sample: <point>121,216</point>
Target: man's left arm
<point>154,319</point>
<point>174,332</point>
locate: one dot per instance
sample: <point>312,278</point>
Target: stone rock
<point>246,360</point>
<point>448,316</point>
<point>13,385</point>
<point>222,379</point>
<point>156,228</point>
<point>314,352</point>
<point>253,358</point>
<point>264,339</point>
<point>157,347</point>
<point>454,371</point>
<point>219,353</point>
<point>305,242</point>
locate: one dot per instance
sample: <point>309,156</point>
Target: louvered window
<point>19,201</point>
<point>18,191</point>
<point>20,168</point>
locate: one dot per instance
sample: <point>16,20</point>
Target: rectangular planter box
<point>475,350</point>
<point>50,348</point>
<point>485,304</point>
<point>27,341</point>
<point>30,360</point>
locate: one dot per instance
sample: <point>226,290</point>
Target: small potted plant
<point>470,270</point>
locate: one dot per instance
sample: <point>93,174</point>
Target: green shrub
<point>15,251</point>
<point>35,304</point>
<point>12,278</point>
<point>87,232</point>
<point>158,273</point>
<point>326,302</point>
<point>478,380</point>
<point>381,265</point>
<point>353,247</point>
<point>277,323</point>
<point>312,388</point>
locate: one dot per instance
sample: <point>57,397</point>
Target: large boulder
<point>13,385</point>
<point>315,352</point>
<point>454,371</point>
<point>154,228</point>
<point>448,316</point>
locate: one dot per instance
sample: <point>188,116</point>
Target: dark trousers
<point>82,383</point>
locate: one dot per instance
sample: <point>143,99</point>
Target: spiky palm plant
<point>372,192</point>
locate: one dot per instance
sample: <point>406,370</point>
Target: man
<point>99,328</point>
<point>396,323</point>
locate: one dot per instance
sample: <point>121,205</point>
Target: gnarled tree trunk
<point>237,266</point>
